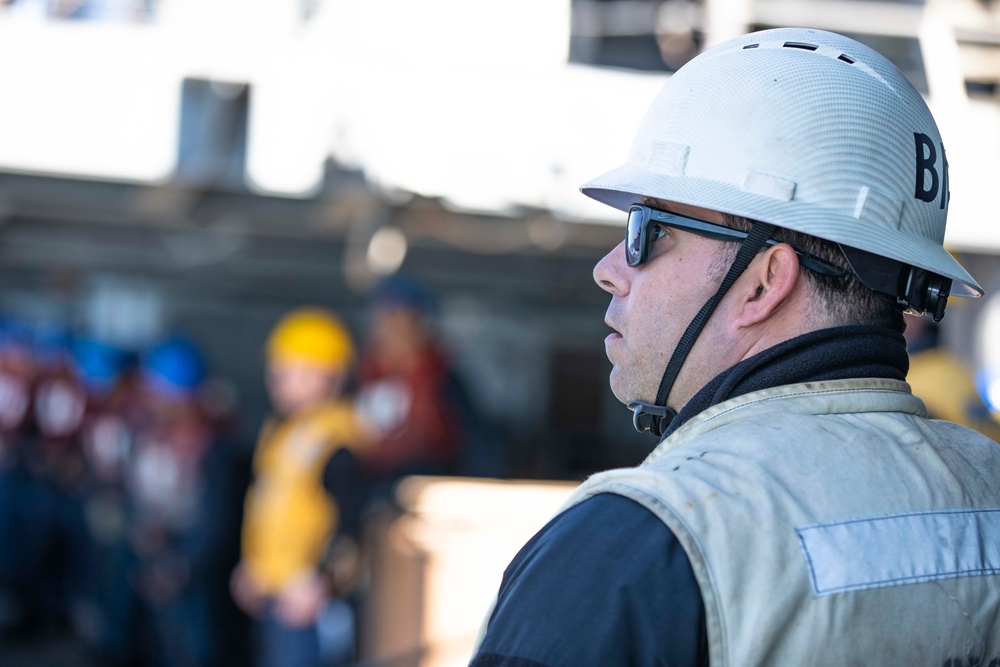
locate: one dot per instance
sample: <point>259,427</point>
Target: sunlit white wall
<point>472,103</point>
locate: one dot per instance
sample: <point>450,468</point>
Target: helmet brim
<point>627,184</point>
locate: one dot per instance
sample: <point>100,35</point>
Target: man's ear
<point>770,281</point>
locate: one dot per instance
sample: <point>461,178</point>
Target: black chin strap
<point>656,417</point>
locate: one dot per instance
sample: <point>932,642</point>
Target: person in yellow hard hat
<point>943,381</point>
<point>301,510</point>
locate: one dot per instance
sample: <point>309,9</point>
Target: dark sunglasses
<point>638,237</point>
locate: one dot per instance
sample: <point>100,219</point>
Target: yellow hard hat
<point>311,335</point>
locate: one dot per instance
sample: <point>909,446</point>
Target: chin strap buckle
<point>652,418</point>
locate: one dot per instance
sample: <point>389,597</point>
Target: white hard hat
<point>803,129</point>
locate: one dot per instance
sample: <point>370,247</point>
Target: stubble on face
<point>662,300</point>
<point>651,307</point>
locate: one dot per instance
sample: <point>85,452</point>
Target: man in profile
<point>785,201</point>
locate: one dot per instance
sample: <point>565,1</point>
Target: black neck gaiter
<point>840,353</point>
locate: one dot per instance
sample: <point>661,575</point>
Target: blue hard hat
<point>401,291</point>
<point>175,364</point>
<point>15,333</point>
<point>50,341</point>
<point>97,363</point>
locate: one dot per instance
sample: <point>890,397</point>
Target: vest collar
<point>809,398</point>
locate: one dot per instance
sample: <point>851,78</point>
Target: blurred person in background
<point>48,396</point>
<point>407,389</point>
<point>67,395</point>
<point>47,550</point>
<point>300,552</point>
<point>108,374</point>
<point>943,381</point>
<point>179,490</point>
<point>17,373</point>
<point>59,406</point>
<point>23,520</point>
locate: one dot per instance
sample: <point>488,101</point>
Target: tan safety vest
<point>831,523</point>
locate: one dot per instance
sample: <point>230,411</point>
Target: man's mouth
<point>615,334</point>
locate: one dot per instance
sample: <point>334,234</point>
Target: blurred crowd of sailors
<point>131,514</point>
<point>116,494</point>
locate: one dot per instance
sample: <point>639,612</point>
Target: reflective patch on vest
<point>901,549</point>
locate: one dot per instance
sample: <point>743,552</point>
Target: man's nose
<point>610,274</point>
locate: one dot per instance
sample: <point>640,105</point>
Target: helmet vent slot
<point>800,45</point>
<point>750,46</point>
<point>846,58</point>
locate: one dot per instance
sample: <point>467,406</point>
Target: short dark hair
<point>845,299</point>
